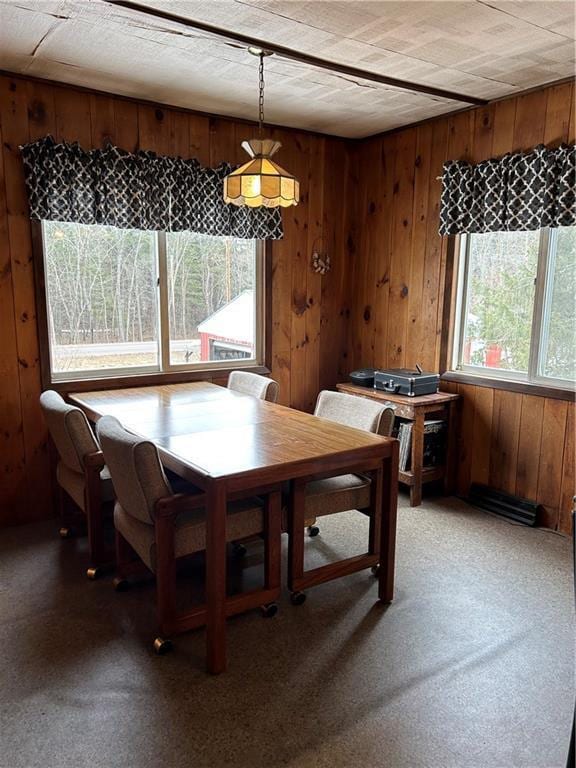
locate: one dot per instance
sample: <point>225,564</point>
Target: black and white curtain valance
<point>137,191</point>
<point>522,191</point>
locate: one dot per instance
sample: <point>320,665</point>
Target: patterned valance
<point>522,191</point>
<point>137,191</point>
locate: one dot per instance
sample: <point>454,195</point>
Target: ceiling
<point>482,48</point>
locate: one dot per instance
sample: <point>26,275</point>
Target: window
<point>516,306</point>
<point>121,302</point>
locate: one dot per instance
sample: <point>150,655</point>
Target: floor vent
<point>512,507</point>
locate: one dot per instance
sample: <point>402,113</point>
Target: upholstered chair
<point>81,473</point>
<point>160,526</point>
<point>252,384</point>
<point>354,412</point>
<point>257,386</point>
<point>331,495</point>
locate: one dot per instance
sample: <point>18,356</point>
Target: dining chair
<point>81,473</point>
<point>331,495</point>
<point>248,383</point>
<point>258,386</point>
<point>160,527</point>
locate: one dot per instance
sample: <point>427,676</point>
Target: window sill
<point>151,379</point>
<point>524,387</point>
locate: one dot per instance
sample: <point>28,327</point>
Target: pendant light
<point>261,182</point>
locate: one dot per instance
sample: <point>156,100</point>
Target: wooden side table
<point>416,409</point>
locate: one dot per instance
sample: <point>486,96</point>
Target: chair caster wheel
<point>375,570</point>
<point>94,573</point>
<point>121,585</point>
<point>313,530</point>
<point>65,533</point>
<point>161,646</point>
<point>239,550</point>
<point>269,611</point>
<point>297,598</point>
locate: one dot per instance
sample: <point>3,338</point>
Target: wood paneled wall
<point>518,443</point>
<point>372,205</point>
<point>309,311</point>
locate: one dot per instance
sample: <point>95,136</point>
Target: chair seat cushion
<point>245,518</point>
<point>337,494</point>
<point>73,483</point>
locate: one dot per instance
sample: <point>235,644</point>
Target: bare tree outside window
<point>101,286</point>
<point>109,289</point>
<point>206,277</point>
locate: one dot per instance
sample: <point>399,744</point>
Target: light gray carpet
<point>472,666</point>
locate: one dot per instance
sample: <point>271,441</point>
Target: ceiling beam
<point>289,53</point>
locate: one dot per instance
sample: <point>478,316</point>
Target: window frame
<point>522,381</point>
<point>164,371</point>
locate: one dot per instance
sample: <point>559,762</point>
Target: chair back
<point>252,384</point>
<point>358,412</point>
<point>69,429</point>
<point>135,468</point>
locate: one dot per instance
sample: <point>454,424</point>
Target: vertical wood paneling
<point>300,321</point>
<point>402,210</point>
<point>529,446</point>
<point>481,431</point>
<point>568,488</point>
<point>181,135</point>
<point>72,112</point>
<point>223,144</point>
<point>383,235</point>
<point>371,210</point>
<point>551,459</point>
<point>530,120</point>
<point>102,121</point>
<point>374,204</point>
<point>126,125</point>
<point>513,442</point>
<point>332,310</point>
<point>15,130</point>
<point>504,443</point>
<point>572,123</point>
<point>431,305</point>
<point>414,341</point>
<point>504,121</point>
<point>314,280</point>
<point>557,122</point>
<point>41,111</point>
<point>154,129</point>
<point>341,205</point>
<point>466,424</point>
<point>298,149</point>
<point>12,456</point>
<point>282,306</point>
<point>199,136</point>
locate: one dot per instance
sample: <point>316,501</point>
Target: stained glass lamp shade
<point>261,181</point>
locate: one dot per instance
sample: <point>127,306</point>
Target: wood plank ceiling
<point>474,47</point>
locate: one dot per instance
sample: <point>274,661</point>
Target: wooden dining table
<point>227,444</point>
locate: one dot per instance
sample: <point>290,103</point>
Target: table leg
<point>388,527</point>
<point>273,527</point>
<point>296,514</point>
<point>374,535</point>
<point>216,578</point>
<point>417,458</point>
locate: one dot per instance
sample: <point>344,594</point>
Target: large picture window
<point>516,306</point>
<point>121,302</point>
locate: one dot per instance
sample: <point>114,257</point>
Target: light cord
<point>261,95</point>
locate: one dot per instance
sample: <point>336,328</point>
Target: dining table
<point>229,444</point>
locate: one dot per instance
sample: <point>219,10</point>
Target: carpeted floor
<point>472,666</point>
